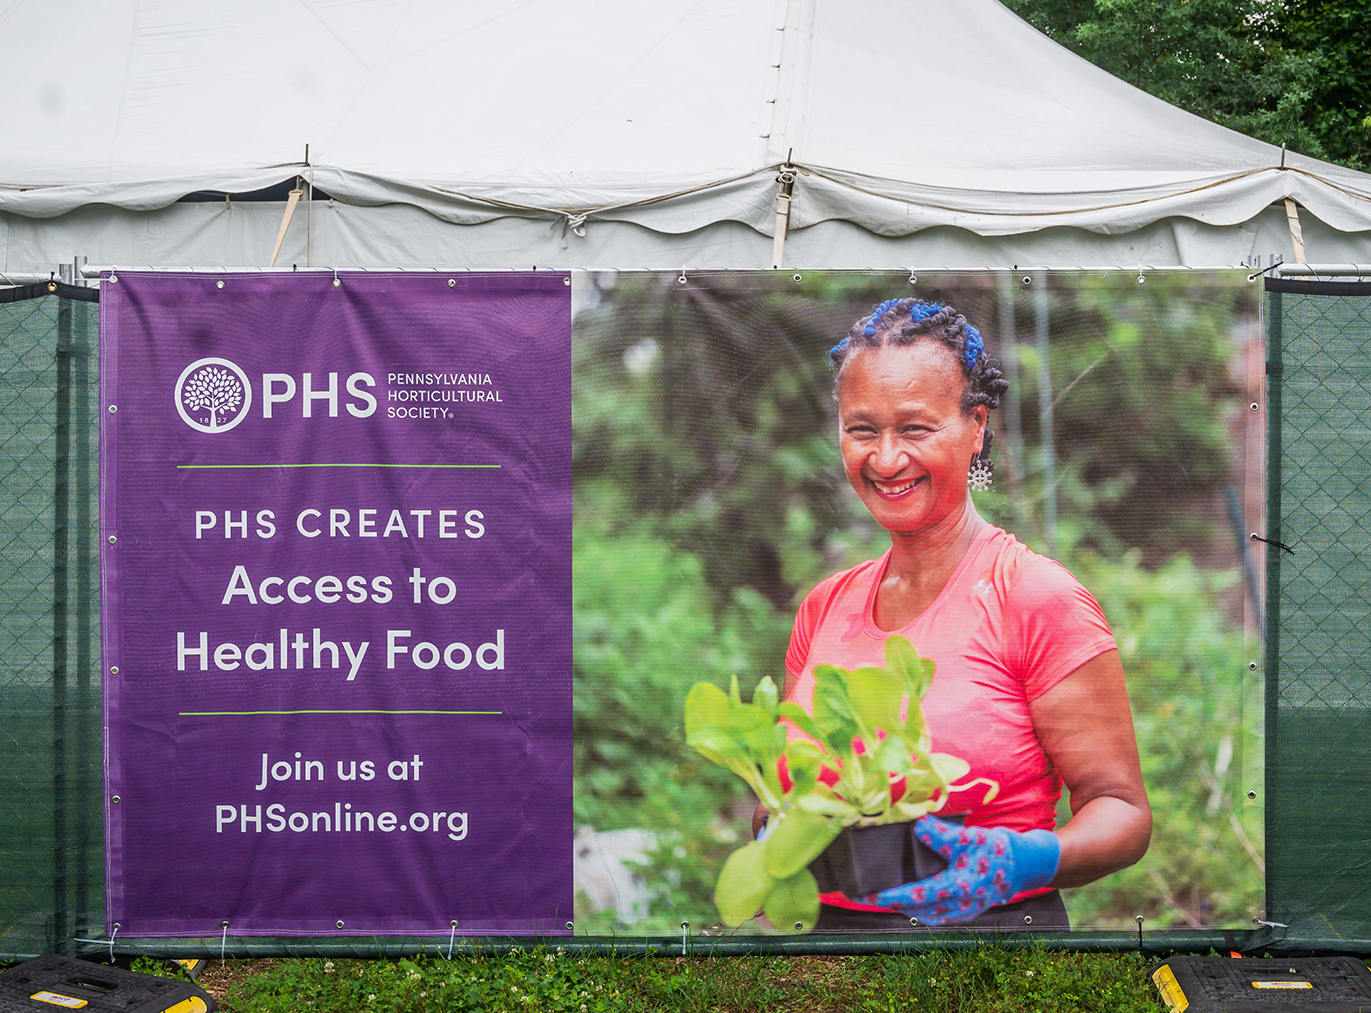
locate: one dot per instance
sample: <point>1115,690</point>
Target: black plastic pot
<point>865,860</point>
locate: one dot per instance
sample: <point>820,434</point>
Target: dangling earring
<point>981,475</point>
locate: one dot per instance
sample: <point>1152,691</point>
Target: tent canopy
<point>912,124</point>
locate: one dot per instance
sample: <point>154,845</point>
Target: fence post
<point>84,786</point>
<point>1272,630</point>
<point>61,924</point>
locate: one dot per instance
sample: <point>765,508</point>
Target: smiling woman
<point>1029,689</point>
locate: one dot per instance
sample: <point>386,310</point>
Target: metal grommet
<point>914,922</point>
<point>1028,919</point>
<point>1256,920</point>
<point>1141,279</point>
<point>799,926</point>
<point>337,282</point>
<point>570,926</point>
<point>455,923</point>
<point>219,284</point>
<point>1251,666</point>
<point>113,409</point>
<point>567,281</point>
<point>913,279</point>
<point>1251,794</point>
<point>1254,406</point>
<point>685,924</point>
<point>1254,536</point>
<point>1138,919</point>
<point>224,924</point>
<point>114,277</point>
<point>1028,279</point>
<point>796,277</point>
<point>114,800</point>
<point>339,923</point>
<point>112,539</point>
<point>52,286</point>
<point>114,670</point>
<point>452,283</point>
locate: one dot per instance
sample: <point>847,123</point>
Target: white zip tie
<point>223,941</point>
<point>685,929</point>
<point>1273,925</point>
<point>111,942</point>
<point>451,939</point>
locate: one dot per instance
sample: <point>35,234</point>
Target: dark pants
<point>1042,912</point>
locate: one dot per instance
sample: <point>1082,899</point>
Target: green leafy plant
<point>865,759</point>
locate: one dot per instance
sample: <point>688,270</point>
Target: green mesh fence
<point>1318,635</point>
<point>51,841</point>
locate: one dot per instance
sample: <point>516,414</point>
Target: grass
<point>986,980</point>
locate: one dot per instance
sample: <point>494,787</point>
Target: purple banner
<point>336,523</point>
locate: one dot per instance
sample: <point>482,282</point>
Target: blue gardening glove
<point>986,866</point>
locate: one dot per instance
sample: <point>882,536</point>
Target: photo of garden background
<point>709,499</point>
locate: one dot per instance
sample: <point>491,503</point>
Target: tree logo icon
<point>213,395</point>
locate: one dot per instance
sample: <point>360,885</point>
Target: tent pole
<point>1292,218</point>
<point>292,199</point>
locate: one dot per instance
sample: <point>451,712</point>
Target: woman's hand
<point>986,866</point>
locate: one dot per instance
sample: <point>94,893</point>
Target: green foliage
<point>1337,36</point>
<point>1144,413</point>
<point>1197,711</point>
<point>1293,72</point>
<point>708,409</point>
<point>986,979</point>
<point>646,628</point>
<point>156,966</point>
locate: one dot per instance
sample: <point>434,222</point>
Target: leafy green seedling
<point>862,758</point>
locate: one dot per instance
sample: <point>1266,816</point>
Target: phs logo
<point>213,395</point>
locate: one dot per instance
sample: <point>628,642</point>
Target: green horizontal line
<point>241,714</point>
<point>202,466</point>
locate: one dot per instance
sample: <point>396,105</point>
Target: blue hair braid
<point>974,346</point>
<point>876,314</point>
<point>919,310</point>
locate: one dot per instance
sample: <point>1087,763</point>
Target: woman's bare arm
<point>1086,726</point>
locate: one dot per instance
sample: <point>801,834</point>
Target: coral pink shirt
<point>1008,626</point>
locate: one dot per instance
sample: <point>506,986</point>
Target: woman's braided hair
<point>906,321</point>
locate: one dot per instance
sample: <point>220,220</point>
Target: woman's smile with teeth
<point>886,488</point>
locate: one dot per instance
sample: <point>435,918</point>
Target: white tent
<point>521,133</point>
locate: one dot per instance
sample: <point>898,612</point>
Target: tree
<point>1339,31</point>
<point>1293,72</point>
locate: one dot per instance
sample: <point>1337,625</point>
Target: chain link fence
<point>1318,626</point>
<point>1319,618</point>
<point>51,840</point>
